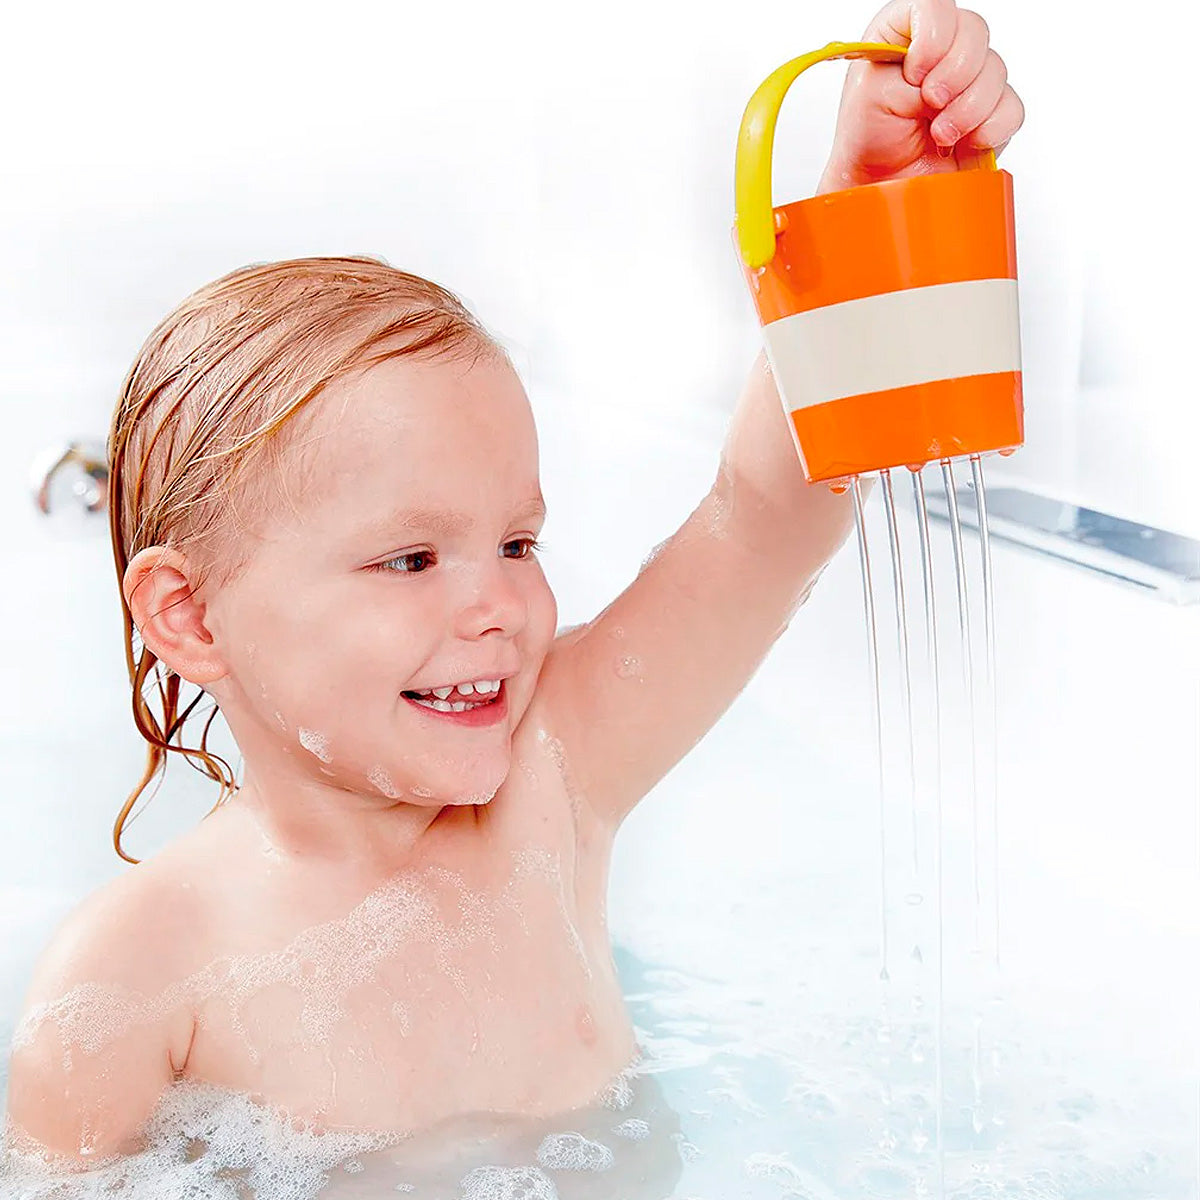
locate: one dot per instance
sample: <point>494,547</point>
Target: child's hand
<point>940,109</point>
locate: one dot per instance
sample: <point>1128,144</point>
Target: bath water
<point>741,1093</point>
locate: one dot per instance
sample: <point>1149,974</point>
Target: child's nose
<point>497,604</point>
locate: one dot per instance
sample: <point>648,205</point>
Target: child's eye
<point>525,547</point>
<point>407,564</point>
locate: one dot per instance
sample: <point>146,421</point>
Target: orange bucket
<point>889,310</point>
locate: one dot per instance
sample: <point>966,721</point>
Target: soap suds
<point>378,777</point>
<point>315,743</point>
<point>573,1152</point>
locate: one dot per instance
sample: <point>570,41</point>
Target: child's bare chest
<point>431,998</point>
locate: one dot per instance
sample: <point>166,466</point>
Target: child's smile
<point>478,702</point>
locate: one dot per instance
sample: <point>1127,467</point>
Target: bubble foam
<point>203,1143</point>
<point>380,779</point>
<point>508,1183</point>
<point>315,743</point>
<point>321,964</point>
<point>573,1152</point>
<point>635,1129</point>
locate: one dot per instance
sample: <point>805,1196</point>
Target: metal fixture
<point>87,458</point>
<point>1153,559</point>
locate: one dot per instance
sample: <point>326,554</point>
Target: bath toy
<point>889,310</point>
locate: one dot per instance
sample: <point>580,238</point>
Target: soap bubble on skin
<point>628,667</point>
<point>654,553</point>
<point>400,1013</point>
<point>320,967</point>
<point>536,862</point>
<point>321,964</point>
<point>554,749</point>
<point>315,743</point>
<point>573,1152</point>
<point>720,510</point>
<point>379,778</point>
<point>618,1094</point>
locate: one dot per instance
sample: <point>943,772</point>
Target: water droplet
<point>916,954</point>
<point>915,468</point>
<point>976,1121</point>
<point>839,486</point>
<point>883,974</point>
<point>918,1053</point>
<point>627,667</point>
<point>920,1140</point>
<point>913,898</point>
<point>1009,451</point>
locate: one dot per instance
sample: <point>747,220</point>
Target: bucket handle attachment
<point>754,212</point>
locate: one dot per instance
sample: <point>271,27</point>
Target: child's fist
<point>938,110</point>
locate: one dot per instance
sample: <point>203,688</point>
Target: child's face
<point>406,567</point>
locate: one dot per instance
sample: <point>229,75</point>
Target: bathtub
<point>750,895</point>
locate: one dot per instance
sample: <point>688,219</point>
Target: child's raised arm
<point>630,693</point>
<point>634,690</point>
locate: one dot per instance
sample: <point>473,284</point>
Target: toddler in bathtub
<point>325,512</point>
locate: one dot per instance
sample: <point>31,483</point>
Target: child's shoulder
<point>94,1046</point>
<point>125,934</point>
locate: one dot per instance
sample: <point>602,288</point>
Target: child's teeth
<point>487,688</point>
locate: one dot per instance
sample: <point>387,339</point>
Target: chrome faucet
<point>91,488</point>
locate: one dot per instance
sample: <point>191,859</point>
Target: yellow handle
<point>754,212</point>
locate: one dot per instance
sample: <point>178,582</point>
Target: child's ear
<point>170,616</point>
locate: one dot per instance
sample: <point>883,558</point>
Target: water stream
<point>908,717</point>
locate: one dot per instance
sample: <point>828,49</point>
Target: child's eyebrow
<point>448,523</point>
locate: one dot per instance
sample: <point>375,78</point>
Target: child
<point>325,511</point>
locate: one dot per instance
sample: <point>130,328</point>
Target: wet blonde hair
<point>200,426</point>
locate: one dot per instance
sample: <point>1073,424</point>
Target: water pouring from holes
<point>889,314</point>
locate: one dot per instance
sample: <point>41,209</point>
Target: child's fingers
<point>996,132</point>
<point>971,108</point>
<point>894,93</point>
<point>959,66</point>
<point>926,26</point>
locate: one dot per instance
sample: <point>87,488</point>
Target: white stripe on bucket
<point>917,335</point>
